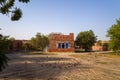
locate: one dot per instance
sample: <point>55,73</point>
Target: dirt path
<point>58,67</point>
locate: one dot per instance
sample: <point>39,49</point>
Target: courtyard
<point>61,66</point>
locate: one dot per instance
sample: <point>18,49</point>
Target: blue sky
<point>63,16</point>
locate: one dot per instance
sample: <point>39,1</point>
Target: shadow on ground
<point>40,67</point>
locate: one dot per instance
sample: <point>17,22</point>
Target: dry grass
<point>41,53</point>
<point>101,62</point>
<point>109,55</point>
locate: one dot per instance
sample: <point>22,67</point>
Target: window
<point>63,46</point>
<point>66,45</point>
<point>59,45</point>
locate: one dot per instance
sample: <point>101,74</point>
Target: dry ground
<point>62,66</point>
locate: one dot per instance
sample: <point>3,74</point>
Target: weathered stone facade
<point>61,43</point>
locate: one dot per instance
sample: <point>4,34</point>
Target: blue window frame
<point>59,45</point>
<point>66,45</point>
<point>63,45</point>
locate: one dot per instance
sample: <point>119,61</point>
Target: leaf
<point>17,14</point>
<point>24,1</point>
<point>10,3</point>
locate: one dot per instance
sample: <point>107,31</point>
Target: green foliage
<point>24,1</point>
<point>39,42</point>
<point>11,38</point>
<point>33,42</point>
<point>99,43</point>
<point>4,43</point>
<point>17,14</point>
<point>114,34</point>
<point>26,46</point>
<point>85,40</point>
<point>8,7</point>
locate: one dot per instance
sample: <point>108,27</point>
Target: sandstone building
<point>61,43</point>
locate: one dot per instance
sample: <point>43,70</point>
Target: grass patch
<point>90,54</point>
<point>81,51</point>
<point>111,55</point>
<point>79,55</point>
<point>41,53</point>
<point>101,62</point>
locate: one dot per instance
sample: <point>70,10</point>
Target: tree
<point>85,40</point>
<point>26,46</point>
<point>114,34</point>
<point>39,41</point>
<point>8,7</point>
<point>4,43</point>
<point>11,38</point>
<point>33,42</point>
<point>99,43</point>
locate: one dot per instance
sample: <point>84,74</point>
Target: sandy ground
<point>62,66</point>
